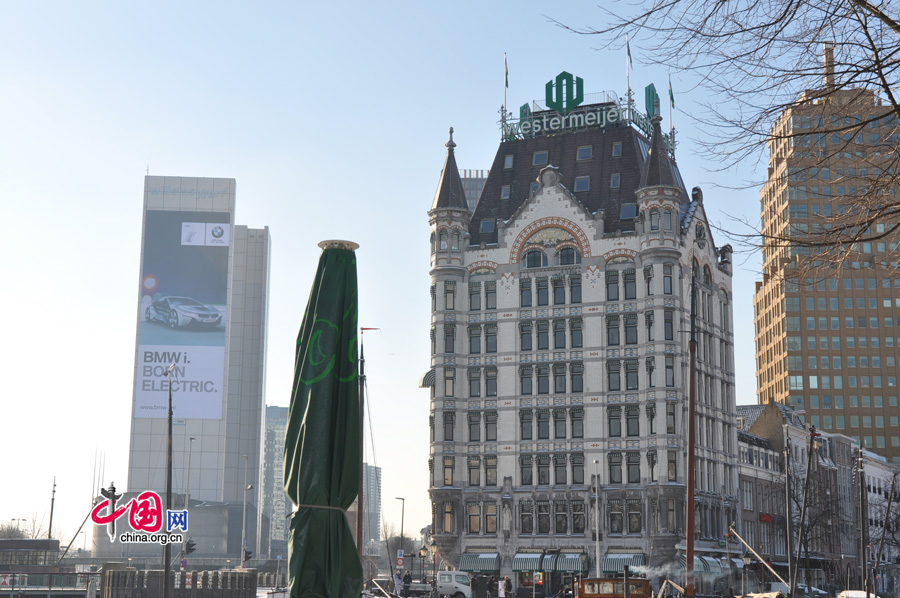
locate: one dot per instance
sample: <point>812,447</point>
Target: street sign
<point>400,561</point>
<point>399,553</point>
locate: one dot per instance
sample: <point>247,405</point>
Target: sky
<point>332,118</point>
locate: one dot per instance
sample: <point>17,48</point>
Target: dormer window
<point>629,211</point>
<point>504,192</point>
<point>582,183</point>
<point>487,226</point>
<point>615,180</point>
<point>585,152</point>
<point>540,158</point>
<point>617,149</point>
<point>534,187</point>
<point>507,161</point>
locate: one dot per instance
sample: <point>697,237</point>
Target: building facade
<point>559,384</point>
<point>473,183</point>
<point>202,317</point>
<point>828,334</point>
<point>275,505</point>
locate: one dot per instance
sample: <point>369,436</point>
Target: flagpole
<point>628,75</point>
<point>503,110</point>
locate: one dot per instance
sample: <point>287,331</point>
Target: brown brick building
<point>827,328</point>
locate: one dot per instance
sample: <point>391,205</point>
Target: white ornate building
<point>560,328</point>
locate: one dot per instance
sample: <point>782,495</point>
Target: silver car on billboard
<point>178,312</point>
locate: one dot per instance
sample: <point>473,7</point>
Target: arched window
<point>567,256</point>
<point>535,259</point>
<point>667,220</point>
<point>695,268</point>
<point>443,240</point>
<point>432,242</point>
<point>455,241</point>
<point>707,275</point>
<point>654,220</point>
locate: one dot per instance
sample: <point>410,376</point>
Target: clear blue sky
<point>333,118</point>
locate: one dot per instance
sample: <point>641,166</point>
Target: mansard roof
<point>562,149</point>
<point>450,192</point>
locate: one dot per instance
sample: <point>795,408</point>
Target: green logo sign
<point>566,98</point>
<point>651,100</point>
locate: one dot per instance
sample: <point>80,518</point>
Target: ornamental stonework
<point>482,267</point>
<point>548,232</point>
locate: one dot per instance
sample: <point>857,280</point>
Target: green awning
<point>549,562</point>
<point>572,562</point>
<point>615,563</point>
<point>479,562</point>
<point>700,566</point>
<point>527,561</point>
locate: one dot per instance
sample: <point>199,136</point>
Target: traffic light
<point>189,547</point>
<point>247,555</point>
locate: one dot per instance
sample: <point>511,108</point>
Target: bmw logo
<point>217,232</point>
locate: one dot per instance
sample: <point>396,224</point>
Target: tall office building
<point>202,305</point>
<point>473,183</point>
<point>827,339</point>
<point>559,380</point>
<point>274,525</point>
<point>372,500</point>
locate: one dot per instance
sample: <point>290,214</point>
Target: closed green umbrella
<point>321,449</point>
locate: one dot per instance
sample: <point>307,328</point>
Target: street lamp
<point>434,562</point>
<point>244,522</point>
<point>187,492</point>
<point>17,520</point>
<point>423,552</point>
<point>402,513</point>
<point>597,518</point>
<point>167,550</point>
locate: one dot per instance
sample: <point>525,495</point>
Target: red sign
<point>400,561</point>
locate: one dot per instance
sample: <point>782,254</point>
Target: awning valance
<point>572,562</point>
<point>615,563</point>
<point>479,562</point>
<point>527,561</point>
<point>427,381</point>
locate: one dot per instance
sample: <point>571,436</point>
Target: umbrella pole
<point>362,402</point>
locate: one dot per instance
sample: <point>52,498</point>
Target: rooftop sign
<point>565,96</point>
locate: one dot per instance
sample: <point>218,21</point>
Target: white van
<point>856,594</point>
<point>454,583</point>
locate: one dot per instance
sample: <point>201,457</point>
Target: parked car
<point>811,591</point>
<point>181,311</point>
<point>454,583</point>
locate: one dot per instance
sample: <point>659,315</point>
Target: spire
<point>450,192</point>
<point>658,169</point>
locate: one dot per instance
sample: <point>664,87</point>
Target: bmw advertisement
<point>181,337</point>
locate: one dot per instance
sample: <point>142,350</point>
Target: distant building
<point>202,309</point>
<point>473,182</point>
<point>276,506</point>
<point>372,500</point>
<point>829,344</point>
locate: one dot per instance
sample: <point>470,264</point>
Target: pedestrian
<point>507,586</point>
<point>397,583</point>
<point>407,580</point>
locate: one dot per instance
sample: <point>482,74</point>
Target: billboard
<point>183,307</point>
